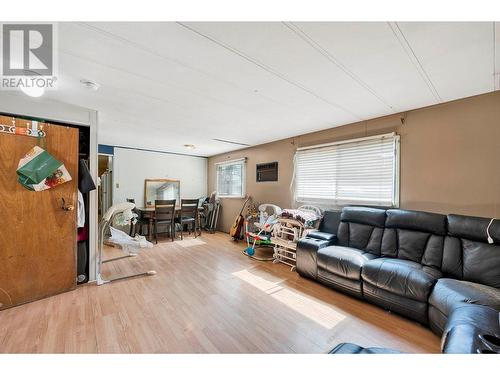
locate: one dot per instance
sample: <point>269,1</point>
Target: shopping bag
<point>38,170</point>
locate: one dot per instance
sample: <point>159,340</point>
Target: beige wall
<point>450,159</point>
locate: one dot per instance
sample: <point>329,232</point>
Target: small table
<point>149,214</point>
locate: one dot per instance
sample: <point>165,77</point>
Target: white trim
<point>93,195</point>
<point>19,104</point>
<point>381,136</point>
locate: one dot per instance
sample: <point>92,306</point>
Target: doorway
<point>105,173</point>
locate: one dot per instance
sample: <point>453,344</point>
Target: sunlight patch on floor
<point>256,281</point>
<point>311,308</point>
<point>191,242</point>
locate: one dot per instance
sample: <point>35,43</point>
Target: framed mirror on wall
<point>161,188</point>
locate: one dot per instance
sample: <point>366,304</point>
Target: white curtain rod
<point>231,161</point>
<point>348,141</point>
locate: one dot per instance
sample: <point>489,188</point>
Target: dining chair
<point>164,214</point>
<point>141,221</point>
<point>188,215</point>
<point>132,225</point>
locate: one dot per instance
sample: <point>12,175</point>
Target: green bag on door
<point>38,170</point>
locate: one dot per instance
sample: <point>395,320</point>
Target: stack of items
<point>292,226</point>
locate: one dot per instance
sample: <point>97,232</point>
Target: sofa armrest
<point>466,325</point>
<point>330,237</point>
<point>306,257</point>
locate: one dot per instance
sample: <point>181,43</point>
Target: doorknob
<point>66,207</point>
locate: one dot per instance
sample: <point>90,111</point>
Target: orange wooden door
<point>37,237</point>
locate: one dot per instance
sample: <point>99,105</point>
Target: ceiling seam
<point>135,125</point>
<point>405,44</point>
<point>164,100</point>
<point>167,84</point>
<point>329,56</point>
<point>269,69</point>
<point>175,61</point>
<point>137,121</point>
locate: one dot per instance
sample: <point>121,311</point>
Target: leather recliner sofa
<point>437,269</point>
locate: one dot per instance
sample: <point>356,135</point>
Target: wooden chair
<point>132,225</point>
<point>189,215</point>
<point>164,214</point>
<point>141,222</point>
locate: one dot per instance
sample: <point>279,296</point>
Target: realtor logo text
<point>28,56</point>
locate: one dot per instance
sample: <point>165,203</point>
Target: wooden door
<point>37,237</point>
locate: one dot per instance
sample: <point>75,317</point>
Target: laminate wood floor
<point>207,297</point>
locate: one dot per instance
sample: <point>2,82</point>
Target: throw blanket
<point>308,218</point>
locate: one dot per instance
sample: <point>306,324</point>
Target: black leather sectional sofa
<point>437,269</point>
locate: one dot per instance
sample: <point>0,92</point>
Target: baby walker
<point>121,214</point>
<point>258,232</point>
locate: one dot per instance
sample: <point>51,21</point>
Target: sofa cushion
<point>416,220</point>
<point>449,293</point>
<point>343,261</point>
<point>420,247</point>
<point>473,228</point>
<point>415,236</point>
<point>374,217</point>
<point>330,221</point>
<point>467,253</point>
<point>402,277</point>
<point>361,228</point>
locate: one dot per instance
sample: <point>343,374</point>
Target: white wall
<point>132,167</point>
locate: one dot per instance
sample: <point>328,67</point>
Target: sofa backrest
<point>414,235</point>
<point>330,221</point>
<point>467,253</point>
<point>361,228</point>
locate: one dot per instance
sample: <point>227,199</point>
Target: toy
<point>258,229</point>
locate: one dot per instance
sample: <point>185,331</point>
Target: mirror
<point>161,188</point>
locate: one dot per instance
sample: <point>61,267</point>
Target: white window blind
<point>363,171</point>
<point>231,179</point>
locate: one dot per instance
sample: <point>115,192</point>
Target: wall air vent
<point>267,172</point>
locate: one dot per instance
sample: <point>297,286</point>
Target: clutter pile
<point>293,224</point>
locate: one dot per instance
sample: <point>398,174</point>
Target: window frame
<point>243,162</point>
<point>335,203</point>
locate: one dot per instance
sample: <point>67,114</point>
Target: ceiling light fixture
<point>31,86</point>
<point>191,147</point>
<point>33,91</point>
<point>91,85</point>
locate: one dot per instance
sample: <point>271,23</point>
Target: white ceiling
<point>164,85</point>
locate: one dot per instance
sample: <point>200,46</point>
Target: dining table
<point>148,213</point>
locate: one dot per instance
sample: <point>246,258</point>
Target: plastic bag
<point>38,170</point>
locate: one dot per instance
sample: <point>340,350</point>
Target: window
<point>231,177</point>
<point>364,171</point>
